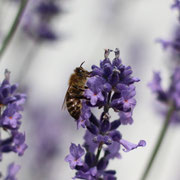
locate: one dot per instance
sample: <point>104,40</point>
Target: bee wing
<point>64,102</point>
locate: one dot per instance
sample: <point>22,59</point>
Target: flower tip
<point>7,74</point>
<point>142,143</point>
<point>137,79</point>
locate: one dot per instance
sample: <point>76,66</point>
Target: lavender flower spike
<point>110,86</point>
<point>11,105</point>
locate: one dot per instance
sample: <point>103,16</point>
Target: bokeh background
<point>84,28</point>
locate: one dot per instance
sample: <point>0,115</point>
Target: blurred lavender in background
<point>38,19</point>
<point>170,97</point>
<point>172,94</point>
<point>39,24</point>
<point>174,43</point>
<point>46,130</point>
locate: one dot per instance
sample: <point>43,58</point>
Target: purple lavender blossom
<point>11,117</point>
<point>130,146</point>
<point>90,143</point>
<point>126,117</point>
<point>19,143</point>
<point>109,87</point>
<point>74,158</point>
<point>94,93</point>
<point>11,104</point>
<point>112,151</point>
<point>84,117</point>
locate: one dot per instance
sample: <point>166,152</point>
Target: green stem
<point>159,142</point>
<point>13,28</point>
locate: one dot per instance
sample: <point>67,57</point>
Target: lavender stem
<point>159,142</point>
<point>13,28</point>
<point>99,151</point>
<point>106,110</point>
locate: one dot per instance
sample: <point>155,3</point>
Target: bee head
<point>80,71</point>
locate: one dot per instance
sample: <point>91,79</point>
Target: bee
<point>75,92</point>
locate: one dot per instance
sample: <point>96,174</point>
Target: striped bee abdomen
<point>73,102</point>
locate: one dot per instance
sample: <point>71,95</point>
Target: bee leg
<point>78,88</point>
<point>84,88</point>
<point>80,97</point>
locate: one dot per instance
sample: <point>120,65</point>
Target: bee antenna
<point>82,63</point>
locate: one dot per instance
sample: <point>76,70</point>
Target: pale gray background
<point>89,26</point>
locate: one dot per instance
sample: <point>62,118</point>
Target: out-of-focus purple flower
<point>48,8</point>
<point>173,44</point>
<point>47,126</point>
<point>12,171</point>
<point>176,4</point>
<point>110,86</point>
<point>165,44</point>
<point>44,31</point>
<point>74,158</point>
<point>172,94</point>
<point>155,85</point>
<point>38,18</point>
